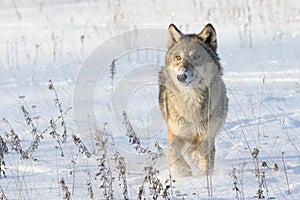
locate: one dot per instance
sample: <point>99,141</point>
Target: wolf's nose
<point>181,77</point>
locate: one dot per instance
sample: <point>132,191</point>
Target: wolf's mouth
<point>191,82</point>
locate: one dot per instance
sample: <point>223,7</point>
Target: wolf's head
<point>192,58</point>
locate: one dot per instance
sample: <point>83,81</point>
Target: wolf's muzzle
<point>181,77</point>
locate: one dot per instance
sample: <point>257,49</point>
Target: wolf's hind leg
<point>176,149</point>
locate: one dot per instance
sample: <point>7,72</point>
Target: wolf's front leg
<point>176,149</point>
<point>207,157</point>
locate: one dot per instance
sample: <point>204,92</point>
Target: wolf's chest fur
<point>194,105</point>
<point>187,111</point>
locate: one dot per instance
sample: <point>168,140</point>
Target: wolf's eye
<point>177,58</point>
<point>196,57</point>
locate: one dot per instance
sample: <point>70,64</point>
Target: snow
<point>258,43</point>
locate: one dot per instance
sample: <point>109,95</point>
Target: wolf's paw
<point>185,173</point>
<point>177,173</point>
<point>181,169</point>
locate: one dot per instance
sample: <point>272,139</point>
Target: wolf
<point>192,99</point>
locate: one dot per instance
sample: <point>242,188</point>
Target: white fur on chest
<point>190,98</point>
<point>193,106</point>
<point>194,115</point>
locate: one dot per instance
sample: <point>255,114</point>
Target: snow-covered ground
<point>66,41</point>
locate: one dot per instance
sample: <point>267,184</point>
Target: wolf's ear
<point>173,35</point>
<point>208,36</point>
